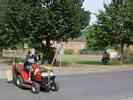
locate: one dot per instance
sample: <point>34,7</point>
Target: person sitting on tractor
<point>29,60</point>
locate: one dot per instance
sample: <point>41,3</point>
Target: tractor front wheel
<point>54,87</point>
<point>35,88</point>
<point>19,81</point>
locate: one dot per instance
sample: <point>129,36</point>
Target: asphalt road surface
<point>99,86</point>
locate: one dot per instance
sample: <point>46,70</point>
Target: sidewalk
<point>3,68</point>
<point>91,69</point>
<point>69,70</point>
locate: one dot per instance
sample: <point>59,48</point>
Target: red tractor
<point>34,79</point>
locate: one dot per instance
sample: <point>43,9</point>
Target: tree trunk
<point>122,52</point>
<point>45,51</point>
<point>1,52</point>
<point>47,42</point>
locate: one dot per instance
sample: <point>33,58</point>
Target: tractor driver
<point>29,60</point>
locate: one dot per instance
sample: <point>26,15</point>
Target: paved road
<point>99,86</point>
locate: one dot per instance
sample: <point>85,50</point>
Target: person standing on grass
<point>59,51</point>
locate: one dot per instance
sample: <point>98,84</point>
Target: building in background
<point>75,45</point>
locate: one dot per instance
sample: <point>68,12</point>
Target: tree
<point>65,19</point>
<point>15,18</point>
<point>130,8</point>
<point>35,21</point>
<point>113,26</point>
<point>100,35</point>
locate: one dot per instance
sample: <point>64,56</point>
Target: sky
<point>94,6</point>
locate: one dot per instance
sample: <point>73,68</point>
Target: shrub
<point>83,51</point>
<point>89,51</point>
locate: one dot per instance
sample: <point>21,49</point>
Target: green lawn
<point>80,59</point>
<point>68,60</point>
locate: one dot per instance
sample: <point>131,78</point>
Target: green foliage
<point>2,10</point>
<point>83,51</point>
<point>130,13</point>
<point>48,55</point>
<point>89,51</point>
<point>97,38</point>
<point>35,21</point>
<point>56,20</point>
<point>113,27</point>
<point>85,18</point>
<point>32,21</point>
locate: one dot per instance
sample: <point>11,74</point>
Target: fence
<point>19,53</point>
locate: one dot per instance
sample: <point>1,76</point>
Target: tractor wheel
<point>54,87</point>
<point>19,81</point>
<point>47,88</point>
<point>35,88</point>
